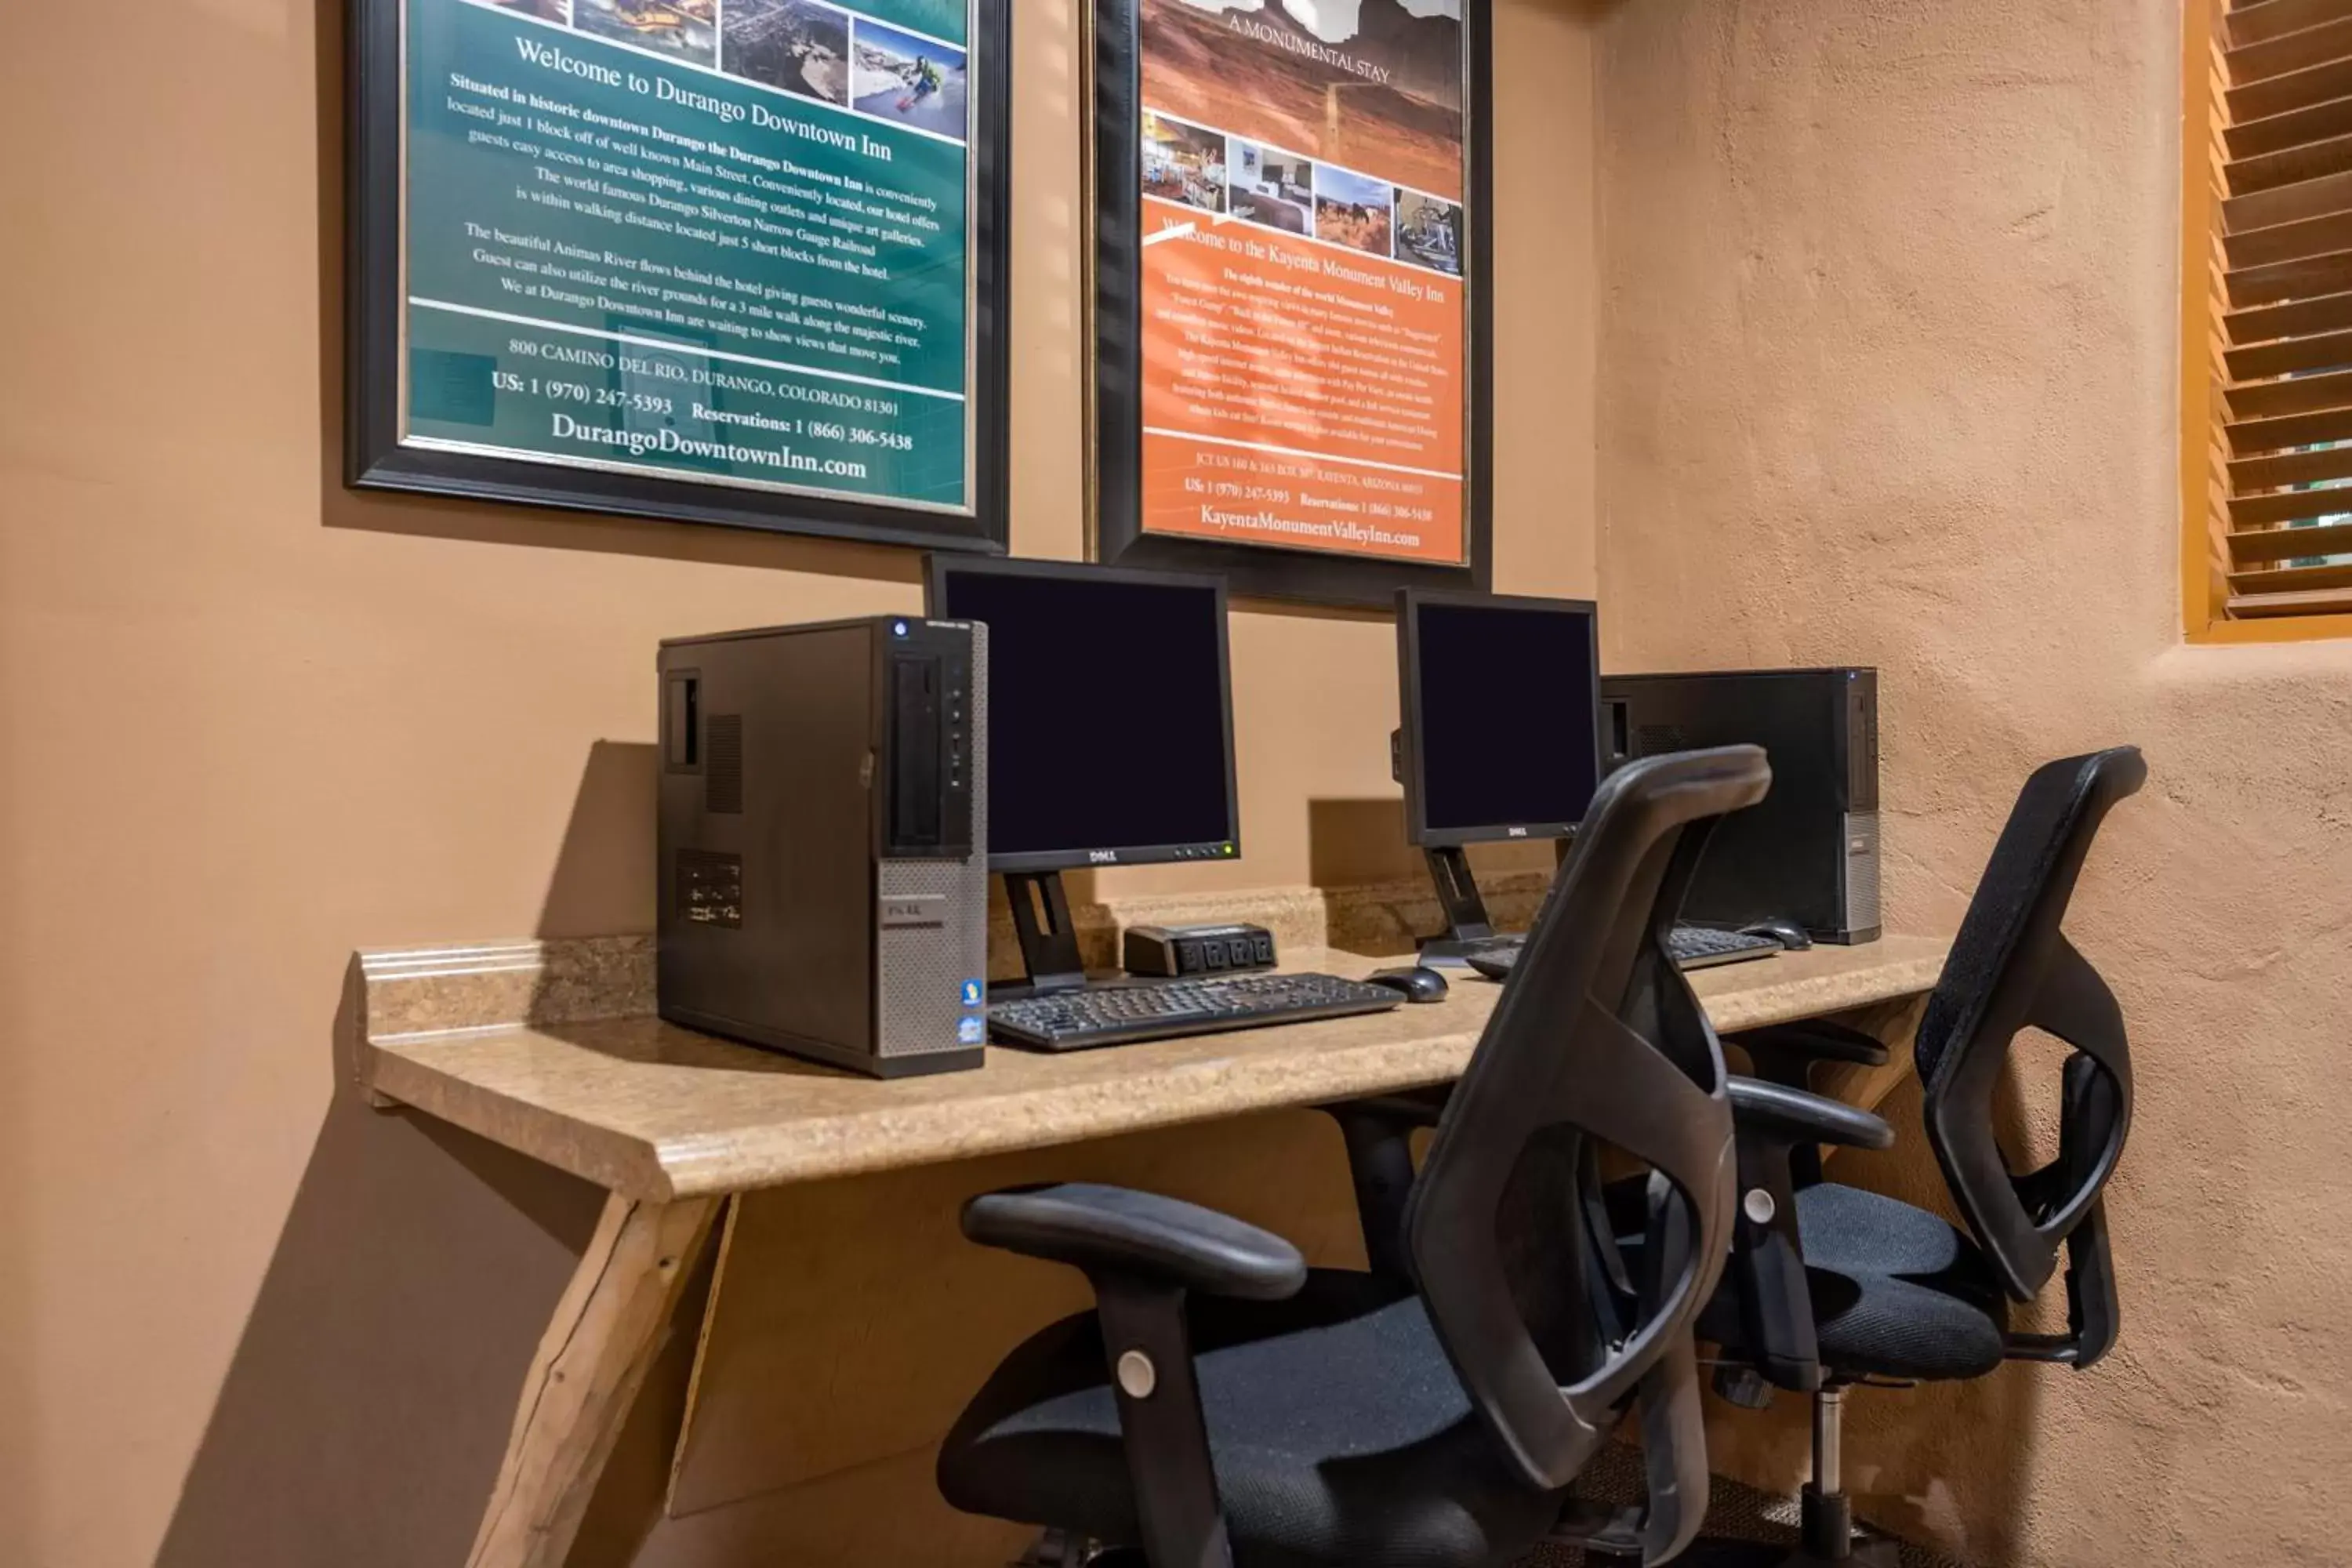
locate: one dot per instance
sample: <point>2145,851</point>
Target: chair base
<point>1705,1552</point>
<point>1059,1549</point>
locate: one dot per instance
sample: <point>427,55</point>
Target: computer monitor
<point>1501,700</point>
<point>1110,729</point>
<point>1500,697</point>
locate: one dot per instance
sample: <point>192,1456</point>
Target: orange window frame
<point>2204,584</point>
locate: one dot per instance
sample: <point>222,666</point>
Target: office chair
<point>1831,1285</point>
<point>1224,1406</point>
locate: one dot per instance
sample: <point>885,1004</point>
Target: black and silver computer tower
<point>1809,851</point>
<point>823,856</point>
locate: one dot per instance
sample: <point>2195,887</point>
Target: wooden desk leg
<point>591,1363</point>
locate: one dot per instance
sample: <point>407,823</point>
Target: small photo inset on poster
<point>906,78</point>
<point>684,29</point>
<point>1183,162</point>
<point>796,45</point>
<point>1354,210</point>
<point>1273,187</point>
<point>1429,231</point>
<point>557,11</point>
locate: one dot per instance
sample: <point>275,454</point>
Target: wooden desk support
<point>550,1049</point>
<point>585,1376</point>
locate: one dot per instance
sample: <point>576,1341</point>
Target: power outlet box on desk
<point>1173,951</point>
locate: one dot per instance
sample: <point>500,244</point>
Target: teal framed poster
<point>730,261</point>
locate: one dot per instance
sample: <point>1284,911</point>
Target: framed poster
<point>1290,293</point>
<point>730,261</point>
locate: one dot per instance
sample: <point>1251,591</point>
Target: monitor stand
<point>1467,929</point>
<point>1049,942</point>
<point>1467,926</point>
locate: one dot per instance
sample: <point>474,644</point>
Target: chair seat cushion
<point>1338,1430</point>
<point>1898,1291</point>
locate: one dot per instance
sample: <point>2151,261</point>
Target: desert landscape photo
<point>1254,69</point>
<point>1353,210</point>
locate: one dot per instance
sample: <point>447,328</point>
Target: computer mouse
<point>1787,933</point>
<point>1417,984</point>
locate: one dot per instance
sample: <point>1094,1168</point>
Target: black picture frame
<point>375,459</point>
<point>1114,388</point>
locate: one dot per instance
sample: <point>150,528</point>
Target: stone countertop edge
<point>1038,1117</point>
<point>534,985</point>
<point>878,1137</point>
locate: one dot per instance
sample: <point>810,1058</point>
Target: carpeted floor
<point>1734,1512</point>
<point>1736,1515</point>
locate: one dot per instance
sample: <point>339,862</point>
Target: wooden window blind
<point>2270,129</point>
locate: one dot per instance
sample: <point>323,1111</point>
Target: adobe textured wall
<point>250,721</point>
<point>1887,343</point>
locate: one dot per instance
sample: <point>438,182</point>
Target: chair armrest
<point>1814,1040</point>
<point>1379,1132</point>
<point>1774,1126</point>
<point>1793,1116</point>
<point>1142,1253</point>
<point>1407,1108</point>
<point>1117,1231</point>
<point>1787,1054</point>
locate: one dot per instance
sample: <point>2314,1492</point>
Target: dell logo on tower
<point>1102,856</point>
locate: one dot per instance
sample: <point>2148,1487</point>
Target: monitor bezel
<point>1417,830</point>
<point>937,569</point>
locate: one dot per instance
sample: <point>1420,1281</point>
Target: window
<point>2266,319</point>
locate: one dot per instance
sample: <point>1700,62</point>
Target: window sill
<point>2270,629</point>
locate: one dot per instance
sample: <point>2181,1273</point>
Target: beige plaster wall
<point>249,721</point>
<point>1888,376</point>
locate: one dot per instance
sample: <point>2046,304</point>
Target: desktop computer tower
<point>1809,851</point>
<point>824,856</point>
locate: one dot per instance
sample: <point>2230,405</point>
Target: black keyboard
<point>1692,947</point>
<point>1118,1012</point>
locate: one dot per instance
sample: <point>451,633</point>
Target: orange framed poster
<point>1290,292</point>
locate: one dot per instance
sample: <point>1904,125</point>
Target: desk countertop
<point>654,1111</point>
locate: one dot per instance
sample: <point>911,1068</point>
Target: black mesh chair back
<point>1597,1039</point>
<point>2012,968</point>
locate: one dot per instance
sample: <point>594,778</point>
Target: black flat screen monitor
<point>1501,700</point>
<point>1111,719</point>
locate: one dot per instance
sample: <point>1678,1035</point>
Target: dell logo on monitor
<point>1102,856</point>
<point>1517,832</point>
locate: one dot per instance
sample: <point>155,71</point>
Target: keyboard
<point>1691,947</point>
<point>1121,1013</point>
